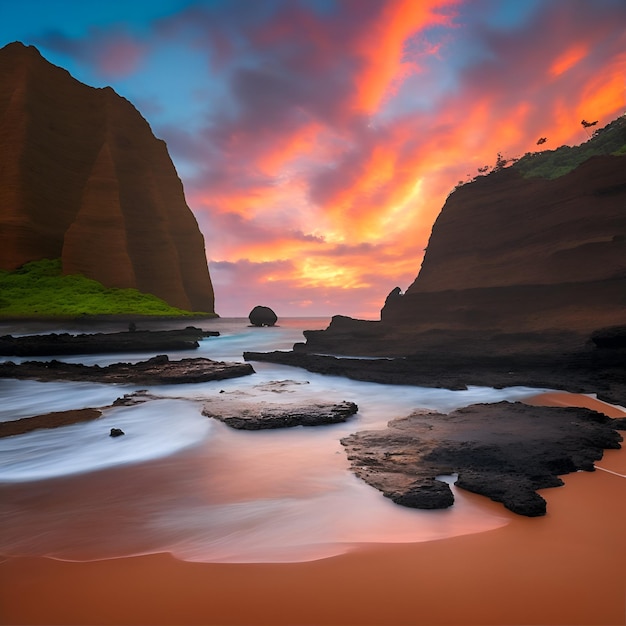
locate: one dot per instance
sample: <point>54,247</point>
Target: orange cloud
<point>344,209</point>
<point>604,94</point>
<point>571,57</point>
<point>382,48</point>
<point>301,142</point>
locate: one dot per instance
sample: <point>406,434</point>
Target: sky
<point>317,140</point>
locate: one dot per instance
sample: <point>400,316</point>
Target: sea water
<point>182,483</point>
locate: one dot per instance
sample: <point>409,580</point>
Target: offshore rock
<point>158,370</point>
<point>83,178</point>
<point>244,415</point>
<point>262,316</point>
<point>504,451</point>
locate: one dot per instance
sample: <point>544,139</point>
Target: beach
<point>564,568</point>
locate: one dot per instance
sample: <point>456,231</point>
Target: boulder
<point>262,316</point>
<point>116,432</point>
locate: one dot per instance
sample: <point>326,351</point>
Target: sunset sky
<point>317,140</point>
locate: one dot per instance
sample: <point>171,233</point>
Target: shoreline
<point>564,568</point>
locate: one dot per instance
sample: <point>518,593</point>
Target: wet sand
<point>565,568</point>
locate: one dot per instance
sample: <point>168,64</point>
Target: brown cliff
<point>83,178</point>
<point>525,254</point>
<point>532,260</point>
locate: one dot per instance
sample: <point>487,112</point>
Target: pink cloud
<point>318,170</point>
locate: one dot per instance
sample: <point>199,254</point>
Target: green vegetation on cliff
<point>39,289</point>
<point>554,163</point>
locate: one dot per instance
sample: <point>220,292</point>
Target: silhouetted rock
<point>116,432</point>
<point>505,451</point>
<point>610,338</point>
<point>244,415</point>
<point>513,264</point>
<point>82,178</point>
<point>262,316</point>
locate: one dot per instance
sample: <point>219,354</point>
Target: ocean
<point>182,483</point>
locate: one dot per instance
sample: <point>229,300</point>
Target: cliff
<point>518,254</point>
<point>512,255</point>
<point>83,178</point>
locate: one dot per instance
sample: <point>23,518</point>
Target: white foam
<point>152,430</point>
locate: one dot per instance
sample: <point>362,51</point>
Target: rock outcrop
<point>243,415</point>
<point>505,451</point>
<point>83,178</point>
<point>600,371</point>
<point>158,370</point>
<point>525,254</point>
<point>103,343</point>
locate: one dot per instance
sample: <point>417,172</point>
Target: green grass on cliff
<point>38,289</point>
<point>555,163</point>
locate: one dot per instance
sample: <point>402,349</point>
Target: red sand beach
<point>565,568</point>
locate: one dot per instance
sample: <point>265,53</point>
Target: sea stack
<point>262,316</point>
<point>84,179</point>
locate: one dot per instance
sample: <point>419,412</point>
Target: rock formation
<point>505,451</point>
<point>158,370</point>
<point>518,254</point>
<point>103,343</point>
<point>82,178</point>
<point>243,415</point>
<point>511,259</point>
<point>48,420</point>
<point>262,316</point>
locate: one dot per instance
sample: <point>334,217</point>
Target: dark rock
<point>432,494</point>
<point>262,316</point>
<point>156,371</point>
<point>505,451</point>
<point>136,397</point>
<point>84,179</point>
<point>611,338</point>
<point>514,264</point>
<point>602,372</point>
<point>244,415</point>
<point>116,432</point>
<point>104,343</point>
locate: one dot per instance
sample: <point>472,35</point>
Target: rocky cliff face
<point>525,254</point>
<point>83,178</point>
<point>509,258</point>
